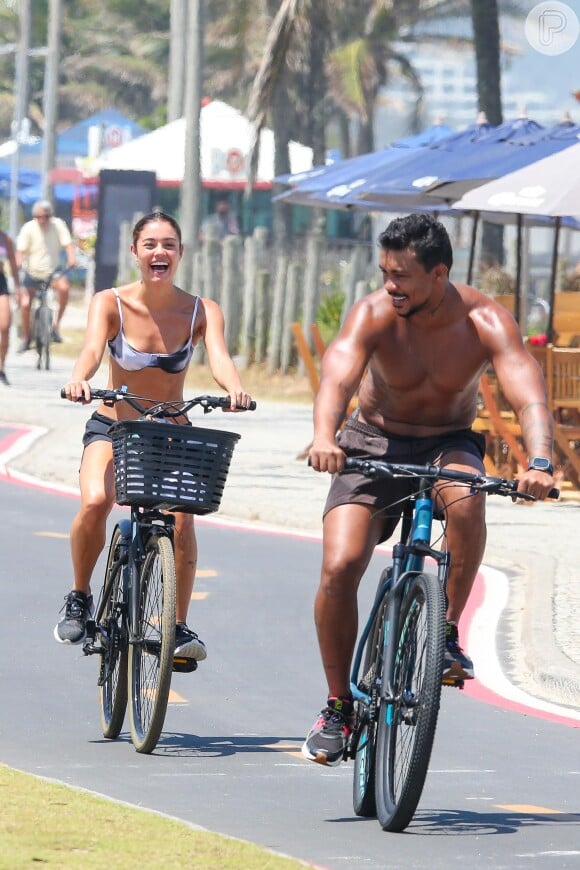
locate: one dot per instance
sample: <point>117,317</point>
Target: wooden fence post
<point>353,274</point>
<point>261,314</point>
<point>276,320</point>
<point>230,303</point>
<point>249,303</point>
<point>290,306</point>
<point>210,251</point>
<point>311,278</point>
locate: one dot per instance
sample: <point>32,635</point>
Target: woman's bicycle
<point>159,468</point>
<point>397,671</point>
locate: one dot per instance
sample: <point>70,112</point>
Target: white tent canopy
<point>226,137</point>
<point>550,186</point>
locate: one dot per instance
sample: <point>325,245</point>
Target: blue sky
<point>555,76</point>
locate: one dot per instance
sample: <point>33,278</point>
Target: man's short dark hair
<point>422,234</point>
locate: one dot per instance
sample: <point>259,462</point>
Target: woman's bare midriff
<point>149,382</point>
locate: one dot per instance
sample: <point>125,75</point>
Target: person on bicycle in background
<point>38,249</point>
<point>423,342</point>
<point>7,254</point>
<point>150,327</point>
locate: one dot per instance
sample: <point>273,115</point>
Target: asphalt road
<point>502,790</point>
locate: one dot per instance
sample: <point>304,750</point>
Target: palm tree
<point>485,19</point>
<point>486,40</point>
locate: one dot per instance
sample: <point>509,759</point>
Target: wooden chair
<point>508,300</point>
<point>567,318</point>
<point>563,383</point>
<point>505,455</point>
<point>306,356</point>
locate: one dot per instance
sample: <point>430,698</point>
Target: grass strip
<point>46,823</point>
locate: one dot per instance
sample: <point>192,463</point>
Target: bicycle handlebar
<point>161,409</point>
<point>478,482</point>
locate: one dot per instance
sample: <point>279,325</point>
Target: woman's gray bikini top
<point>134,360</point>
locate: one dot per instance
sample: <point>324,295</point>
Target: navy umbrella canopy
<point>340,185</point>
<point>447,171</point>
<point>330,174</point>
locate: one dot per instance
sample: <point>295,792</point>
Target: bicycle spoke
<point>151,652</point>
<point>113,633</point>
<point>408,719</point>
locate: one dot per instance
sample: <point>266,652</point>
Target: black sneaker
<point>187,644</point>
<point>456,665</point>
<point>328,737</point>
<point>77,610</point>
<point>23,347</point>
<point>56,337</point>
<point>4,380</point>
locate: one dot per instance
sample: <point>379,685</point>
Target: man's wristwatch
<point>538,463</point>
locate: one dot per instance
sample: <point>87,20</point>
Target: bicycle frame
<point>134,536</point>
<point>408,561</point>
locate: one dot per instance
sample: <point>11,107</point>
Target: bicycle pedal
<point>184,666</point>
<point>454,682</point>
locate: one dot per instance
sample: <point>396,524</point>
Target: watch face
<point>539,464</point>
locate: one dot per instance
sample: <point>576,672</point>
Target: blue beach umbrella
<point>345,184</point>
<point>446,173</point>
<point>316,178</point>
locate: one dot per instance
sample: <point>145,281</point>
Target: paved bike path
<point>228,758</point>
<point>536,547</point>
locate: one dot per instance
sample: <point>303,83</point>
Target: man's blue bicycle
<point>397,671</point>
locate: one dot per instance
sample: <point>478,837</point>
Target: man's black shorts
<point>364,441</point>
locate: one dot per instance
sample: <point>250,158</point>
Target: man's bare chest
<point>447,361</point>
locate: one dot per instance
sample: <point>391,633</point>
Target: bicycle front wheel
<point>42,336</point>
<point>365,729</point>
<point>407,721</point>
<point>113,677</point>
<point>151,650</point>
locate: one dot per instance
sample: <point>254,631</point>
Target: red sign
<point>234,161</point>
<point>113,137</point>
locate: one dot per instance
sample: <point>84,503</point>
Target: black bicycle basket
<point>178,468</point>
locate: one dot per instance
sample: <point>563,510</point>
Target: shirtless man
<point>424,342</point>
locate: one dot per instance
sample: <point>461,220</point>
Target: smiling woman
<point>150,328</point>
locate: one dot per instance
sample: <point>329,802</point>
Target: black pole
<point>474,226</point>
<point>553,279</point>
<point>517,304</point>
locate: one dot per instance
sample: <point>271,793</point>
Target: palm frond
<point>273,57</point>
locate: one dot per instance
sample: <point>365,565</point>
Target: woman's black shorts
<point>97,429</point>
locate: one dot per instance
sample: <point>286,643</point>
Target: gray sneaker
<point>78,609</point>
<point>187,644</point>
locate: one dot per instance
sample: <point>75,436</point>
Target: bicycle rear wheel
<point>151,653</point>
<point>407,722</point>
<point>113,675</point>
<point>365,729</point>
<point>42,336</point>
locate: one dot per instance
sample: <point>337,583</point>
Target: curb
<point>552,673</point>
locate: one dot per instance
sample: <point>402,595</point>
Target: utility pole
<point>51,95</point>
<point>20,106</point>
<point>191,186</point>
<point>178,30</point>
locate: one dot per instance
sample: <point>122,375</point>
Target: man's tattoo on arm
<point>537,429</point>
